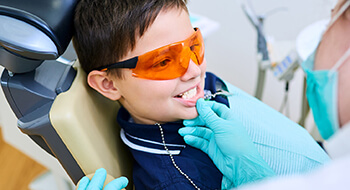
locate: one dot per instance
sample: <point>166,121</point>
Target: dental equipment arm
<point>263,54</point>
<point>227,143</point>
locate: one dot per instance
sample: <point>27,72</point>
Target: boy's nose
<point>193,71</point>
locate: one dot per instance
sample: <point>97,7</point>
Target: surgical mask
<point>322,89</point>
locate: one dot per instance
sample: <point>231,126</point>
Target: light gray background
<point>231,51</point>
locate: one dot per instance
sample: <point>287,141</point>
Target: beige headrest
<point>86,123</point>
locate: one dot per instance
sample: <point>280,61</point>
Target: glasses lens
<point>170,61</point>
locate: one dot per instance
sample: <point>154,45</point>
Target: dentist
<point>328,91</point>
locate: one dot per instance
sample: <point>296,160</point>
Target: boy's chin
<point>191,114</point>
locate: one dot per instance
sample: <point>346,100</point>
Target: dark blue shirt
<point>153,168</point>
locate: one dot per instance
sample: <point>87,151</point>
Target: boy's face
<point>151,101</point>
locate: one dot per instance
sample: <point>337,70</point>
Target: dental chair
<point>51,99</point>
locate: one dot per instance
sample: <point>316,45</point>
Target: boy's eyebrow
<point>192,38</point>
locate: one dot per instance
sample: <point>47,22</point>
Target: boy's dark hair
<point>105,30</point>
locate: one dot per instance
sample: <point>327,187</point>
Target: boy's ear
<point>103,84</point>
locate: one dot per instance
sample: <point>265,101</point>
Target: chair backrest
<point>86,123</point>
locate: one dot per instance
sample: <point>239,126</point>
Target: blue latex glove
<point>227,143</point>
<point>98,180</point>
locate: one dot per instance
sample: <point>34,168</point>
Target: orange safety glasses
<point>167,62</point>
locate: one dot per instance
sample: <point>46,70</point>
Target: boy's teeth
<point>189,94</point>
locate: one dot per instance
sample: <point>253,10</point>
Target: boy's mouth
<point>188,94</point>
<point>190,97</point>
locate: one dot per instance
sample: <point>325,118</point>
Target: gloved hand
<point>98,180</point>
<point>227,143</point>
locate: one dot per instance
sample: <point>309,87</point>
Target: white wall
<point>231,51</point>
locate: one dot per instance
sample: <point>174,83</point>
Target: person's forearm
<point>252,172</point>
<point>249,171</point>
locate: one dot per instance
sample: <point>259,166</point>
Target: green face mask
<point>322,90</point>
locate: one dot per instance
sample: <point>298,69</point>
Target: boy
<point>146,55</point>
